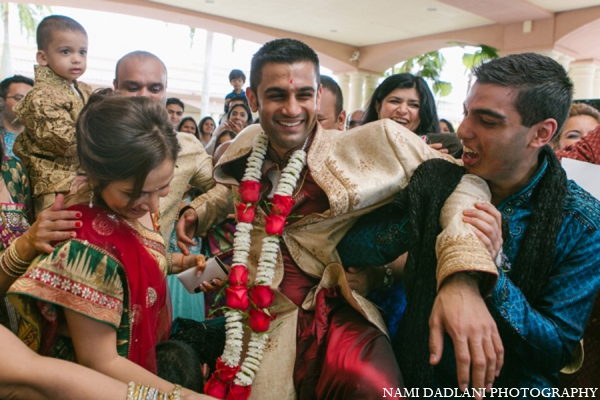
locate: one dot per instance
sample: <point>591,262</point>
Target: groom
<point>329,342</point>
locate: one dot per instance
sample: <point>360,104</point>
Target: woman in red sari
<point>100,298</point>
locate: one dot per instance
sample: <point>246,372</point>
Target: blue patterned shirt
<point>551,327</point>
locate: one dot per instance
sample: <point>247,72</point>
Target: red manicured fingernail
<point>78,224</point>
<point>78,215</point>
<point>73,234</point>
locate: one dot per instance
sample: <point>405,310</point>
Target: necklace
<point>253,300</point>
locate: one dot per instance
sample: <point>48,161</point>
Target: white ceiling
<point>365,22</point>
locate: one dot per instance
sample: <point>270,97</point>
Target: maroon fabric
<point>587,149</point>
<point>339,355</point>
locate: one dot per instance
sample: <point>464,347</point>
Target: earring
<point>91,196</point>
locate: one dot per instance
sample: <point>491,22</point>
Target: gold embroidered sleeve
<point>48,120</point>
<point>212,207</point>
<point>457,247</point>
<point>192,150</point>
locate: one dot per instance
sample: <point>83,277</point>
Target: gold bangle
<point>169,263</point>
<point>130,389</point>
<point>144,392</point>
<point>136,391</point>
<point>4,266</point>
<point>176,393</point>
<point>15,254</point>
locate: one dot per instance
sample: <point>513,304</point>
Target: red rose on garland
<point>282,204</point>
<point>238,276</point>
<point>245,212</point>
<point>224,372</point>
<point>262,296</point>
<point>250,191</point>
<point>274,224</point>
<point>237,392</point>
<point>237,297</point>
<point>216,388</point>
<point>259,320</point>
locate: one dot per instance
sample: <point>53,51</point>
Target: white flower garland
<point>266,263</point>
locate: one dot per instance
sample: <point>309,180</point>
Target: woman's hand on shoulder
<point>52,225</point>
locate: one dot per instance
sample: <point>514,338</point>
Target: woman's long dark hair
<point>201,125</point>
<point>427,110</point>
<point>188,119</point>
<point>248,112</point>
<point>123,138</point>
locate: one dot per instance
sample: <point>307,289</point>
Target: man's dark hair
<point>237,97</point>
<point>175,100</point>
<point>177,363</point>
<point>237,73</point>
<point>331,85</point>
<point>427,109</point>
<point>52,24</point>
<point>5,84</point>
<point>281,51</point>
<point>544,89</point>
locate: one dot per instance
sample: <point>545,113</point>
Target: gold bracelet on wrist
<point>136,391</point>
<point>15,254</point>
<point>176,393</point>
<point>169,263</point>
<point>130,390</point>
<point>11,263</point>
<point>4,266</point>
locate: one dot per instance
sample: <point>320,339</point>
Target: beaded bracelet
<point>137,391</point>
<point>176,394</point>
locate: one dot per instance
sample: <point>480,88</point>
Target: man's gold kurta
<point>47,146</point>
<point>194,167</point>
<point>358,170</point>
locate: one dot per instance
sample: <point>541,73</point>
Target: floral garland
<point>230,380</point>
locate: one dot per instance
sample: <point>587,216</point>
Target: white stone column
<point>371,83</point>
<point>561,58</point>
<point>596,85</point>
<point>208,50</point>
<point>555,55</point>
<point>582,73</point>
<point>357,80</point>
<point>344,82</point>
<point>565,61</point>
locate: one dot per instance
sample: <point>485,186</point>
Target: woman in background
<point>406,99</point>
<point>446,126</point>
<point>188,125</point>
<point>583,119</point>
<point>206,127</point>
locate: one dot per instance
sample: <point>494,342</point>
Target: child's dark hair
<point>237,73</point>
<point>123,138</point>
<point>52,24</point>
<point>178,363</point>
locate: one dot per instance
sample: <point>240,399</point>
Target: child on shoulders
<point>47,146</point>
<point>237,78</point>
